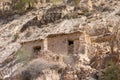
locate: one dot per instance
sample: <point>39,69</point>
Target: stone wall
<point>59,44</point>
<point>29,46</point>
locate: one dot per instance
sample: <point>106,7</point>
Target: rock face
<point>99,23</point>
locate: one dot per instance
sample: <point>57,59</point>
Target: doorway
<point>70,46</point>
<point>36,50</point>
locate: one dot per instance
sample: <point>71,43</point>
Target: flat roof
<point>27,41</point>
<point>53,35</point>
<point>50,35</point>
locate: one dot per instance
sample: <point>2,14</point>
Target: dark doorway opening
<point>36,50</point>
<point>70,42</point>
<point>70,46</point>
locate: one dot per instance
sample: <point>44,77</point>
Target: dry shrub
<point>35,68</point>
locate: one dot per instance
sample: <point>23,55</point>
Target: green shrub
<point>21,4</point>
<point>112,72</point>
<point>76,2</point>
<point>56,1</point>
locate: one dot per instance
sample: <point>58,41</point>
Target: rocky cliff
<point>99,20</point>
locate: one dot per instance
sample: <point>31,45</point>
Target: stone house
<point>64,43</point>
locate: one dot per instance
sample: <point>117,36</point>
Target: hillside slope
<point>100,19</point>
